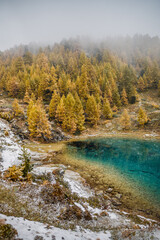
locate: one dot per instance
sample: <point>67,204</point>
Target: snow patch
<point>146,219</point>
<point>9,148</point>
<point>27,230</point>
<point>80,206</point>
<point>43,170</point>
<point>151,135</point>
<point>112,215</point>
<point>76,184</point>
<point>94,210</point>
<point>157,234</point>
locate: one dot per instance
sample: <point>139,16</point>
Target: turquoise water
<point>137,160</point>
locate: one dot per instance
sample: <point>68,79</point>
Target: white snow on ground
<point>94,210</point>
<point>147,219</point>
<point>112,215</point>
<point>80,206</point>
<point>75,182</point>
<point>37,155</point>
<point>157,234</point>
<point>43,170</point>
<point>27,230</point>
<point>151,135</point>
<point>9,148</point>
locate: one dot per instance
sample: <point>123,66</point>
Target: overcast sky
<point>24,21</point>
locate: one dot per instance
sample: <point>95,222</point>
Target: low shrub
<point>22,172</point>
<point>6,116</point>
<point>7,232</point>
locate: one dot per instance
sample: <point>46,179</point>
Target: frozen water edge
<point>27,230</point>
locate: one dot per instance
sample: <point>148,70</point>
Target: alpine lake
<point>132,163</point>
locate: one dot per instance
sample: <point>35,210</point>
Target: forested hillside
<point>77,82</point>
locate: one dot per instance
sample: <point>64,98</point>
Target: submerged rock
<point>99,193</point>
<point>109,190</point>
<point>115,202</point>
<point>109,125</point>
<point>118,195</point>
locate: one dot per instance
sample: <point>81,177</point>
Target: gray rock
<point>118,195</point>
<point>100,192</point>
<point>115,202</point>
<point>109,190</point>
<point>37,237</point>
<point>108,125</point>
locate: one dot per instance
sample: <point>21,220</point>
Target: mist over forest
<point>50,21</point>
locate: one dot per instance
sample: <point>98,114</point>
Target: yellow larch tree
<point>142,117</point>
<point>17,109</point>
<point>38,123</point>
<point>92,111</point>
<point>125,120</point>
<point>106,109</point>
<point>60,112</point>
<point>124,98</point>
<point>53,104</point>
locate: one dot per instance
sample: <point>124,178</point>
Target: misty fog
<point>49,21</point>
